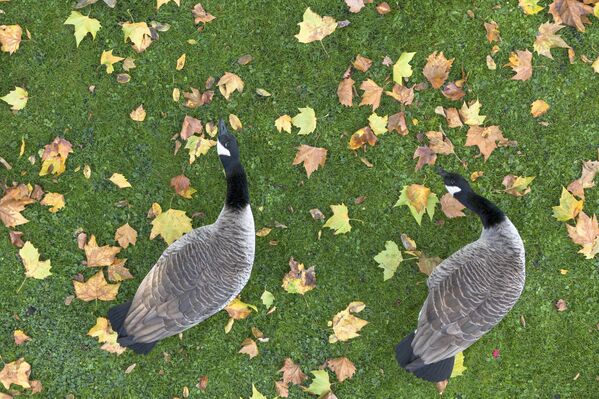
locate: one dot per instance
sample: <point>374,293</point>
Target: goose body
<point>469,292</point>
<point>196,276</point>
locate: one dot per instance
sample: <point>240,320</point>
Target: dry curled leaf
<point>201,15</point>
<point>299,280</point>
<point>362,63</point>
<point>437,69</point>
<point>345,92</point>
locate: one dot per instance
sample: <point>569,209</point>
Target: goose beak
<point>222,129</point>
<point>221,141</point>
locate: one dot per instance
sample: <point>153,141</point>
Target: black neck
<point>488,212</point>
<point>238,195</point>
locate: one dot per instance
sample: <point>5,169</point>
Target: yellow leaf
<point>517,185</point>
<point>320,385</point>
<point>235,122</point>
<point>547,39</point>
<point>263,232</point>
<point>419,199</point>
<point>538,108</point>
<point>108,59</point>
<point>55,200</point>
<point>314,27</point>
<point>378,124</point>
<point>103,331</point>
<point>87,171</point>
<point>198,146</point>
<point>340,219</point>
<point>125,236</point>
<point>229,83</point>
<point>17,373</point>
<point>171,225</point>
<point>17,98</point>
<point>345,325</point>
<point>239,310</point>
<point>96,288</point>
<point>31,260</point>
<point>256,394</point>
<point>530,7</point>
<point>99,256</point>
<point>83,25</point>
<point>119,180</point>
<point>458,365</point>
<point>305,120</point>
<point>10,38</point>
<point>160,3</point>
<point>568,207</point>
<point>138,114</point>
<point>22,149</point>
<point>402,68</point>
<point>181,62</point>
<point>470,114</point>
<point>176,94</point>
<point>283,122</point>
<point>139,34</point>
<point>299,280</point>
<point>20,337</point>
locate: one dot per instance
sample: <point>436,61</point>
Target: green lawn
<point>540,360</point>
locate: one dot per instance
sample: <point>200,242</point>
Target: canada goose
<point>200,273</point>
<point>469,292</point>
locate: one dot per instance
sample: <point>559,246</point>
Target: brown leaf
<point>383,8</point>
<point>402,94</point>
<point>453,91</point>
<point>425,155</point>
<point>282,389</point>
<point>355,5</point>
<point>312,157</point>
<point>485,138</point>
<point>492,31</point>
<point>372,94</point>
<point>201,15</point>
<point>99,256</point>
<point>408,243</point>
<point>55,156</point>
<point>249,347</point>
<point>96,288</point>
<point>426,264</point>
<point>118,272</point>
<point>453,118</point>
<point>571,12</point>
<point>560,305</point>
<point>17,373</point>
<point>202,383</point>
<point>342,367</point>
<point>292,373</point>
<point>125,235</point>
<point>345,92</point>
<point>123,78</point>
<point>195,98</point>
<point>361,138</point>
<point>190,126</point>
<point>521,63</point>
<point>299,280</point>
<point>230,83</point>
<point>16,238</point>
<point>451,207</point>
<point>547,39</point>
<point>397,122</point>
<point>245,59</point>
<point>437,69</point>
<point>586,229</point>
<point>589,170</point>
<point>439,143</point>
<point>362,63</point>
<point>317,214</point>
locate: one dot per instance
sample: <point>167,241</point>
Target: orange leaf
<point>362,137</point>
<point>485,138</point>
<point>362,63</point>
<point>345,92</point>
<point>99,256</point>
<point>492,31</point>
<point>312,157</point>
<point>372,94</point>
<point>125,235</point>
<point>451,207</point>
<point>182,186</point>
<point>342,367</point>
<point>96,288</point>
<point>437,69</point>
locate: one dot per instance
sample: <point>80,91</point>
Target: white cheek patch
<point>453,189</point>
<point>221,150</point>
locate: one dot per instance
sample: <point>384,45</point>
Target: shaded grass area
<point>540,360</point>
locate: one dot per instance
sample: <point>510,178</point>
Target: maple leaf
<point>538,108</point>
<point>282,389</point>
<point>345,92</point>
<point>139,34</point>
<point>96,288</point>
<point>436,70</point>
<point>201,15</point>
<point>320,384</point>
<point>54,157</point>
<point>312,157</point>
<point>196,99</point>
<point>427,264</point>
<point>16,98</point>
<point>299,280</point>
<point>314,27</point>
<point>118,272</point>
<point>197,146</point>
<point>54,200</point>
<point>305,120</point>
<point>517,185</point>
<point>372,94</point>
<point>20,337</point>
<point>439,143</point>
<point>345,325</point>
<point>255,393</point>
<point>402,94</point>
<point>586,234</point>
<point>492,31</point>
<point>190,126</point>
<point>283,123</point>
<point>249,347</point>
<point>568,207</point>
<point>125,236</point>
<point>355,5</point>
<point>14,201</point>
<point>119,180</point>
<point>571,12</point>
<point>138,114</point>
<point>230,83</point>
<point>485,138</point>
<point>106,335</point>
<point>109,60</point>
<point>397,122</point>
<point>451,207</point>
<point>471,114</point>
<point>292,373</point>
<point>419,199</point>
<point>171,225</point>
<point>239,310</point>
<point>378,124</point>
<point>530,7</point>
<point>586,180</point>
<point>83,25</point>
<point>362,137</point>
<point>453,92</point>
<point>389,260</point>
<point>402,68</point>
<point>342,367</point>
<point>34,268</point>
<point>160,3</point>
<point>17,373</point>
<point>362,64</point>
<point>453,118</point>
<point>425,155</point>
<point>99,256</point>
<point>340,220</point>
<point>267,298</point>
<point>521,63</point>
<point>182,186</point>
<point>547,39</point>
<point>10,38</point>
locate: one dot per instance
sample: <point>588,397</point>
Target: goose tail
<point>434,372</point>
<point>117,315</point>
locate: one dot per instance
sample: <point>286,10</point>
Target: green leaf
<point>256,394</point>
<point>389,259</point>
<point>305,120</point>
<point>267,298</point>
<point>320,384</point>
<point>340,219</point>
<point>378,124</point>
<point>402,68</point>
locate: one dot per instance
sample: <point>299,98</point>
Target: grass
<point>540,360</point>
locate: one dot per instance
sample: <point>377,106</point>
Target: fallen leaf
<point>439,143</point>
<point>267,298</point>
<point>83,25</point>
<point>201,15</point>
<point>568,208</point>
<point>109,60</point>
<point>312,157</point>
<point>235,122</point>
<point>436,70</point>
<point>345,325</point>
<point>125,235</point>
<point>299,280</point>
<point>123,78</point>
<point>130,369</point>
<point>342,367</point>
<point>118,272</point>
<point>402,68</point>
<point>571,12</point>
<point>355,5</point>
<point>362,64</point>
<point>314,27</point>
<point>10,38</point>
<point>249,347</point>
<point>453,92</point>
<point>383,8</point>
<point>96,288</point>
<point>229,83</point>
<point>119,180</point>
<point>378,124</point>
<point>471,114</point>
<point>262,93</point>
<point>585,234</point>
<point>547,39</point>
<point>245,59</point>
<point>256,394</point>
<point>320,384</point>
<point>305,120</point>
<point>103,331</point>
<point>55,156</point>
<point>292,373</point>
<point>160,3</point>
<point>362,137</point>
<point>402,94</point>
<point>389,260</point>
<point>427,264</point>
<point>281,388</point>
<point>195,98</point>
<point>197,146</point>
<point>202,383</point>
<point>181,62</point>
<point>398,123</point>
<point>20,337</point>
<point>190,126</point>
<point>485,138</point>
<point>129,64</point>
<point>419,199</point>
<point>263,232</point>
<point>138,114</point>
<point>182,186</point>
<point>530,7</point>
<point>17,98</point>
<point>521,63</point>
<point>517,185</point>
<point>239,310</point>
<point>54,200</point>
<point>139,34</point>
<point>99,256</point>
<point>451,207</point>
<point>345,92</point>
<point>491,63</point>
<point>561,305</point>
<point>425,155</point>
<point>283,123</point>
<point>492,31</point>
<point>474,176</point>
<point>538,108</point>
<point>171,225</point>
<point>586,180</point>
<point>34,267</point>
<point>15,237</point>
<point>340,220</point>
<point>17,373</point>
<point>372,94</point>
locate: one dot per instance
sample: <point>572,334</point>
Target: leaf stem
<point>22,284</point>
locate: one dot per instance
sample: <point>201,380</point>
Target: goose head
<point>227,148</point>
<point>455,184</point>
